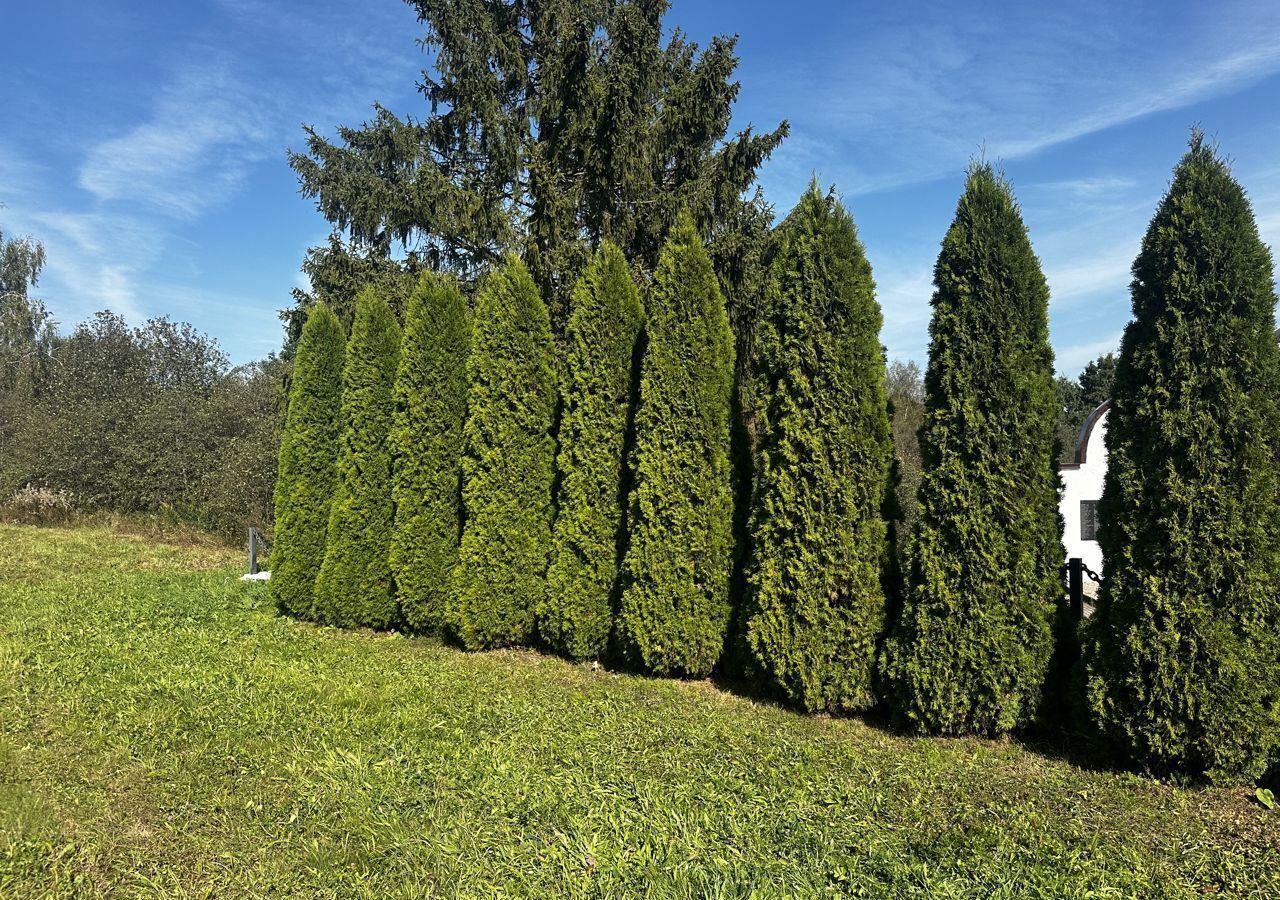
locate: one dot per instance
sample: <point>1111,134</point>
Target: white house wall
<point>1084,482</point>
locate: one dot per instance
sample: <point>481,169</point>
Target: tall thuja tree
<point>552,126</point>
<point>500,580</point>
<point>817,604</point>
<point>430,412</point>
<point>675,605</point>
<point>1182,660</point>
<point>308,462</point>
<point>601,342</point>
<point>974,634</point>
<point>355,588</point>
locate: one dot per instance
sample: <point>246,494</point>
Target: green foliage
<point>552,126</point>
<point>675,605</point>
<point>973,639</point>
<point>141,420</point>
<point>403,769</point>
<point>308,469</point>
<point>1183,664</point>
<point>427,441</point>
<point>355,587</point>
<point>905,384</point>
<point>602,339</point>
<point>500,580</point>
<point>28,336</point>
<point>337,272</point>
<point>818,532</point>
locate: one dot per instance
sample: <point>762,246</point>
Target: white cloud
<point>1074,357</point>
<point>913,90</point>
<point>192,153</point>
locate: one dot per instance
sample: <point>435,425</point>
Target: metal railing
<point>1076,573</point>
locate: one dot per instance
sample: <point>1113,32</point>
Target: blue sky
<point>144,142</point>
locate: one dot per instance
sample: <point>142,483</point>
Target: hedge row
<point>503,490</point>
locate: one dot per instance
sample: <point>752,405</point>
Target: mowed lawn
<point>164,734</point>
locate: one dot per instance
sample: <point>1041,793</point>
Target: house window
<point>1088,520</point>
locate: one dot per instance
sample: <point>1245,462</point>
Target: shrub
<point>602,336</point>
<point>427,440</point>
<point>500,580</point>
<point>355,587</point>
<point>818,533</point>
<point>308,462</point>
<point>973,637</point>
<point>1183,665</point>
<point>675,604</point>
<point>34,505</point>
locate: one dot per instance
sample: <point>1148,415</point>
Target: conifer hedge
<point>818,534</point>
<point>500,580</point>
<point>308,462</point>
<point>1182,655</point>
<point>601,341</point>
<point>427,441</point>
<point>973,637</point>
<point>355,587</point>
<point>675,603</point>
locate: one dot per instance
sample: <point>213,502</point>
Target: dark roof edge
<point>1086,431</point>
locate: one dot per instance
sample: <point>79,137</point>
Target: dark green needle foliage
<point>426,438</point>
<point>973,636</point>
<point>308,462</point>
<point>601,340</point>
<point>1182,656</point>
<point>818,534</point>
<point>500,581</point>
<point>675,605</point>
<point>355,586</point>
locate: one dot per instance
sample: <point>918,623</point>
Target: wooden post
<point>1075,586</point>
<point>253,551</point>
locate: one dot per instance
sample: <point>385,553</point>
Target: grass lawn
<point>164,734</point>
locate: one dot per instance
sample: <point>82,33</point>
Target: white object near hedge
<point>1082,488</point>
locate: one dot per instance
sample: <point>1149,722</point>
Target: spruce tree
<point>500,580</point>
<point>1182,660</point>
<point>426,439</point>
<point>308,462</point>
<point>818,535</point>
<point>355,587</point>
<point>600,118</point>
<point>973,634</point>
<point>675,605</point>
<point>601,340</point>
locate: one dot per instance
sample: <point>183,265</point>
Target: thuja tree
<point>426,438</point>
<point>308,462</point>
<point>500,580</point>
<point>817,604</point>
<point>601,341</point>
<point>974,633</point>
<point>675,604</point>
<point>1183,665</point>
<point>355,585</point>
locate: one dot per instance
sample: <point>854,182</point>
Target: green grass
<point>164,734</point>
